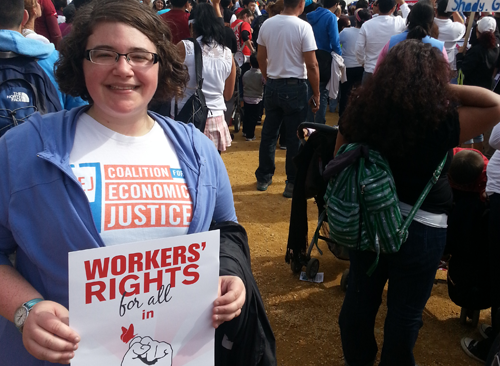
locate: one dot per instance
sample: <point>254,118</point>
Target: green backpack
<point>362,206</point>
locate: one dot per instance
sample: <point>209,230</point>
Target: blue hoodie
<point>45,214</point>
<point>46,55</point>
<point>326,30</point>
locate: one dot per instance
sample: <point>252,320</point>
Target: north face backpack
<point>362,205</point>
<point>24,89</point>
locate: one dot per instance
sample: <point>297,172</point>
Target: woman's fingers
<point>46,354</point>
<point>228,306</point>
<point>46,334</point>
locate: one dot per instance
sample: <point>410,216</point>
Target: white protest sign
<point>473,5</point>
<point>147,303</point>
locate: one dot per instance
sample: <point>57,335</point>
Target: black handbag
<point>195,110</point>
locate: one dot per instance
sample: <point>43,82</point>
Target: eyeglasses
<point>107,57</point>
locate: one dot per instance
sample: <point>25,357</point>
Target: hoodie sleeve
<point>224,206</point>
<point>333,34</point>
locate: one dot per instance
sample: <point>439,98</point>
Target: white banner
<point>146,302</point>
<point>473,5</point>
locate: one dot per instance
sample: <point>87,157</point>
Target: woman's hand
<point>232,295</point>
<point>47,335</point>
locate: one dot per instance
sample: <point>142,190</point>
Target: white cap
<point>486,24</point>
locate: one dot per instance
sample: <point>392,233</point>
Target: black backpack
<point>24,89</point>
<point>195,110</point>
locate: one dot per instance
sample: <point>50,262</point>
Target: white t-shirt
<point>286,37</point>
<point>348,38</point>
<point>28,33</point>
<point>217,63</point>
<point>135,186</point>
<point>375,33</point>
<point>450,32</point>
<point>232,20</point>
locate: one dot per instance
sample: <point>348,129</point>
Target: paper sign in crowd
<point>146,302</point>
<point>473,5</point>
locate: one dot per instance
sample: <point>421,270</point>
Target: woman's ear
<point>26,17</point>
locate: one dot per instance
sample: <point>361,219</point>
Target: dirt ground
<point>304,315</point>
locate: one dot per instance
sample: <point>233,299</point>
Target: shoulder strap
<point>198,63</point>
<point>241,39</point>
<point>8,54</point>
<point>423,195</point>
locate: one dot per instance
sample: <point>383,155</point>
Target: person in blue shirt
<point>326,33</point>
<point>11,40</point>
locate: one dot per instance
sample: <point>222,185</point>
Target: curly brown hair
<point>487,40</point>
<point>405,99</point>
<point>172,74</point>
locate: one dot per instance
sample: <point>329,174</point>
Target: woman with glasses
<point>55,169</point>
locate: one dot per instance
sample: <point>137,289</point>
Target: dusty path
<point>304,315</point>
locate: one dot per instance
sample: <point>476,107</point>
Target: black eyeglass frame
<point>156,58</point>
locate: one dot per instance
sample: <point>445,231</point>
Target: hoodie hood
<point>319,15</point>
<point>15,42</point>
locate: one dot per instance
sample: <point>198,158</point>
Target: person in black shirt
<point>412,121</point>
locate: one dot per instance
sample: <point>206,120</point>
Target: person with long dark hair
<point>219,72</point>
<point>354,69</point>
<point>408,112</point>
<point>420,23</point>
<point>478,62</point>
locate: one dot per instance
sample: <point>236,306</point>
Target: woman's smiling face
<point>120,90</point>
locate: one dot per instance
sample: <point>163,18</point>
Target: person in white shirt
<point>219,73</point>
<point>348,39</point>
<point>286,59</point>
<point>34,11</point>
<point>375,33</point>
<point>449,31</point>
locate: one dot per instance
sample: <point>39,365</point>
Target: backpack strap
<point>435,176</point>
<point>8,54</point>
<point>198,62</point>
<point>362,216</point>
<point>242,46</point>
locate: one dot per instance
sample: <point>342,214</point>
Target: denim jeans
<point>332,104</point>
<point>319,117</point>
<point>250,118</point>
<point>410,273</point>
<point>285,101</point>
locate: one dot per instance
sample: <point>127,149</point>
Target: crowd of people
<point>103,66</point>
